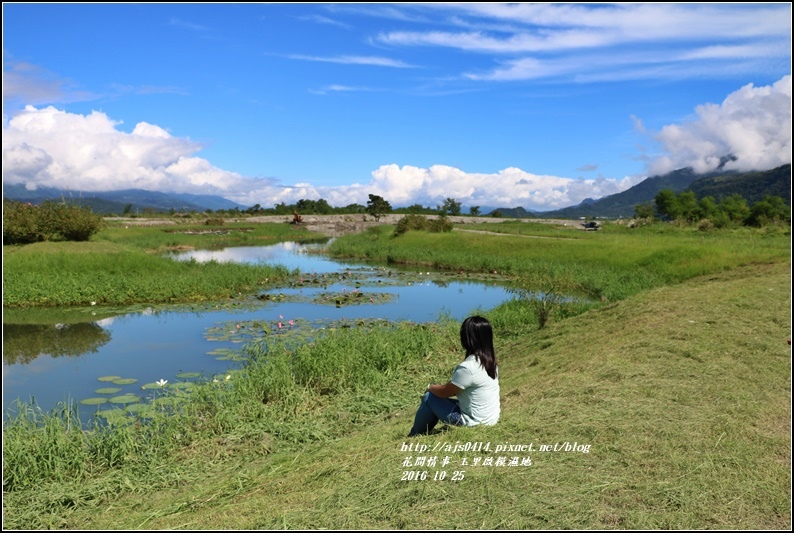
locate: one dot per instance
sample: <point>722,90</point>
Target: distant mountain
<point>117,201</point>
<point>751,185</point>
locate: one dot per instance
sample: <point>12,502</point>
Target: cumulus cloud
<point>752,124</point>
<point>52,148</point>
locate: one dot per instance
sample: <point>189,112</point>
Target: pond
<point>107,358</point>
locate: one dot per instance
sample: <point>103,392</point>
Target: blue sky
<point>537,105</point>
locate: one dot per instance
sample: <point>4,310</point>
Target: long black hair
<point>476,337</point>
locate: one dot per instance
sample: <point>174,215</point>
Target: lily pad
<point>108,390</point>
<point>149,386</point>
<point>125,398</point>
<point>124,381</point>
<point>188,375</point>
<point>220,351</point>
<point>94,401</point>
<point>109,378</point>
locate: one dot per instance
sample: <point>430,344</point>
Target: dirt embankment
<point>335,225</point>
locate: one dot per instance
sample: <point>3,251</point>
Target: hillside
<point>751,185</point>
<point>135,200</point>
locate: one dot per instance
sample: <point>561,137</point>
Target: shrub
<point>439,225</point>
<point>422,223</point>
<point>50,221</point>
<point>19,223</point>
<point>409,223</point>
<point>705,224</point>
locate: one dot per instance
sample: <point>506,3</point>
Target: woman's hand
<point>443,391</point>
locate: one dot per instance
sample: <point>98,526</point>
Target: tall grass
<point>122,266</point>
<point>346,378</point>
<point>683,394</point>
<point>613,263</point>
<point>57,274</point>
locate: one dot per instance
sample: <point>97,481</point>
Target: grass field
<point>122,266</point>
<point>680,394</point>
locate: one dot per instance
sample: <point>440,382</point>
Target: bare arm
<point>444,391</point>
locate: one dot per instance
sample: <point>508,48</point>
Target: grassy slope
<point>683,394</point>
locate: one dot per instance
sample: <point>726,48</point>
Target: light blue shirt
<point>479,399</point>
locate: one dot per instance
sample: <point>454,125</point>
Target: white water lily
<point>228,377</point>
<point>162,382</point>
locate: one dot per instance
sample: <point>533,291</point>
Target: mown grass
<point>124,266</point>
<point>681,392</point>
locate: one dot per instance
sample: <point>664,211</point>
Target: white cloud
<point>608,42</point>
<point>54,148</point>
<point>355,60</point>
<point>753,124</point>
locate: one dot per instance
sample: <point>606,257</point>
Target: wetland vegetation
<point>674,372</point>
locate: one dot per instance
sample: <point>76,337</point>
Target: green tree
<point>734,208</point>
<point>688,206</point>
<point>643,210</point>
<point>474,210</point>
<point>355,208</point>
<point>770,210</point>
<point>708,207</point>
<point>377,206</point>
<point>450,207</point>
<point>667,204</point>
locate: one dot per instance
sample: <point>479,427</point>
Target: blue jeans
<point>434,409</point>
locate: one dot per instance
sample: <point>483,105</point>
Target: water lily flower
<point>291,322</point>
<point>280,325</point>
<point>93,303</point>
<point>162,382</point>
<point>228,377</point>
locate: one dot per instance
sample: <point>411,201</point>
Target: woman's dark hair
<point>476,337</point>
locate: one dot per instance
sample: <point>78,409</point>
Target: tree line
<point>376,207</point>
<point>731,211</point>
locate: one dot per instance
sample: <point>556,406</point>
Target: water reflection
<point>22,343</point>
<point>145,345</point>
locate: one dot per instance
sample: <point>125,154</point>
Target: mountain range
<point>129,200</point>
<point>753,186</point>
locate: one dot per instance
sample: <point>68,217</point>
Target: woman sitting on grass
<point>475,382</point>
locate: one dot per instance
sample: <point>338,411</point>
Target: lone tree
<point>377,206</point>
<point>450,207</point>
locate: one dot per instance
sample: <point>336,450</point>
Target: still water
<point>49,362</point>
